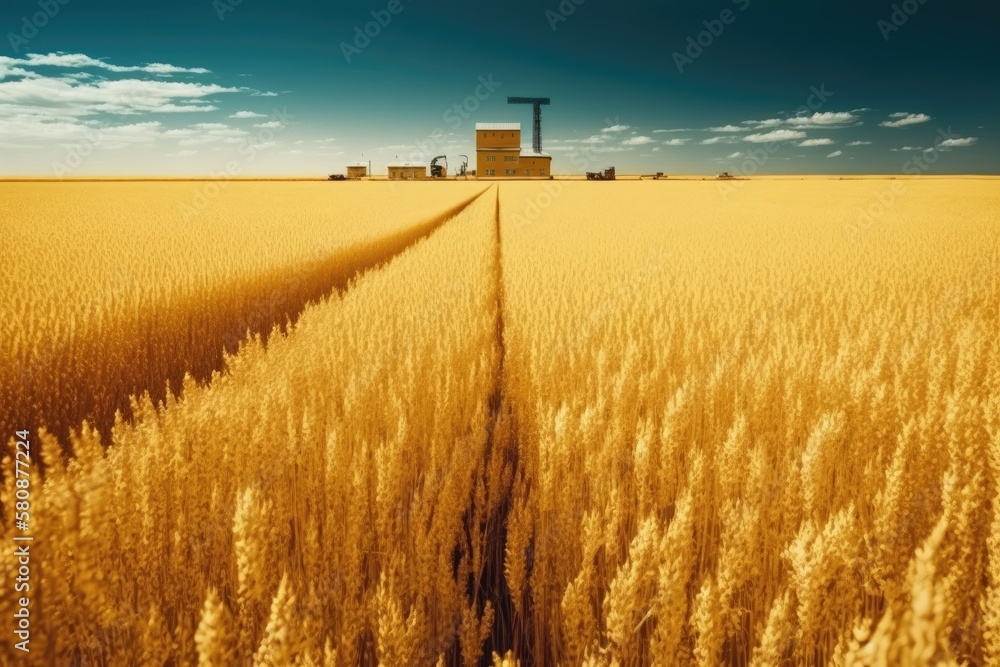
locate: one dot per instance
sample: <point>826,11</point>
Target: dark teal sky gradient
<point>609,63</point>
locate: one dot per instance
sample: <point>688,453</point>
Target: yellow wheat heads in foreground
<point>749,437</point>
<point>642,425</point>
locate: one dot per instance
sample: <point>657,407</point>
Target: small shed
<point>357,170</point>
<point>406,170</point>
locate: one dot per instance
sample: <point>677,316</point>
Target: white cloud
<point>824,119</point>
<point>903,119</point>
<point>637,141</point>
<point>617,128</point>
<point>134,133</point>
<point>219,130</point>
<point>247,114</point>
<point>79,60</point>
<point>836,154</point>
<point>860,143</point>
<point>725,128</point>
<point>594,139</point>
<point>589,148</point>
<point>907,148</point>
<point>201,134</point>
<point>678,130</point>
<point>328,140</point>
<point>776,135</point>
<point>734,156</point>
<point>270,125</point>
<point>763,124</point>
<point>25,130</point>
<point>817,142</point>
<point>162,68</point>
<point>961,142</point>
<point>180,133</point>
<point>7,71</point>
<point>60,98</point>
<point>657,149</point>
<point>675,142</point>
<point>719,140</point>
<point>861,110</point>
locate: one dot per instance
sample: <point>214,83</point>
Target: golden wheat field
<point>111,289</point>
<point>537,423</point>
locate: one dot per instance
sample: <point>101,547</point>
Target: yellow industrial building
<point>498,154</point>
<point>405,170</point>
<point>357,170</point>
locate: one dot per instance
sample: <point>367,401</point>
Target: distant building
<point>535,164</point>
<point>357,170</point>
<point>406,170</point>
<point>498,154</point>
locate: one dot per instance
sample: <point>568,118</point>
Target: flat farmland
<point>115,288</point>
<point>539,423</point>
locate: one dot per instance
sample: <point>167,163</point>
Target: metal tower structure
<point>536,124</point>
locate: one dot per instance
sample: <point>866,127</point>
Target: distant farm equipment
<point>438,170</point>
<point>606,175</point>
<point>657,176</point>
<point>337,177</point>
<point>725,176</point>
<point>439,167</point>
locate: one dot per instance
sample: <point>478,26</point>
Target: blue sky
<point>252,87</point>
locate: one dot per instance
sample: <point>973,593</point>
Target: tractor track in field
<point>275,300</point>
<point>501,441</point>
